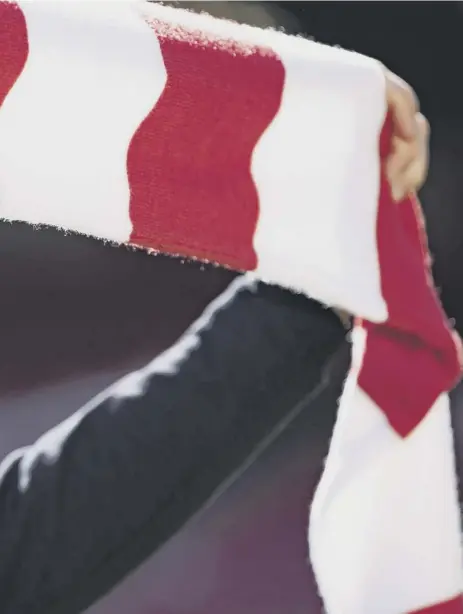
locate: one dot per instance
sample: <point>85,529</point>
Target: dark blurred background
<point>77,314</point>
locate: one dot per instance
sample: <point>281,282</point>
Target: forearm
<point>260,152</point>
<point>95,496</point>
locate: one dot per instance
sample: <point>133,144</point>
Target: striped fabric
<point>178,133</point>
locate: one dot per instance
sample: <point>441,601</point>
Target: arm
<point>263,153</point>
<point>102,491</point>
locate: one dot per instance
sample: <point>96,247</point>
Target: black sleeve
<point>99,493</point>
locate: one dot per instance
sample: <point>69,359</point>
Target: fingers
<point>403,103</point>
<point>407,165</point>
<point>417,171</point>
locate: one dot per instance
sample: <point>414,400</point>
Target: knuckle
<point>413,99</point>
<point>409,96</point>
<point>403,90</point>
<point>424,125</point>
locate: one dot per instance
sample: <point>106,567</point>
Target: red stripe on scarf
<point>414,357</point>
<point>454,606</point>
<point>203,202</point>
<point>14,46</point>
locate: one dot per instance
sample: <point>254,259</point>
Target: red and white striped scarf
<point>179,133</point>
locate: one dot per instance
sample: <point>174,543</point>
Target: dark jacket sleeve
<point>100,492</point>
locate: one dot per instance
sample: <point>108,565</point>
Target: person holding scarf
<point>190,136</point>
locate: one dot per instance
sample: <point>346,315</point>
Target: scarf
<point>152,127</point>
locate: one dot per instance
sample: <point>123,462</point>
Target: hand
<point>407,166</point>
